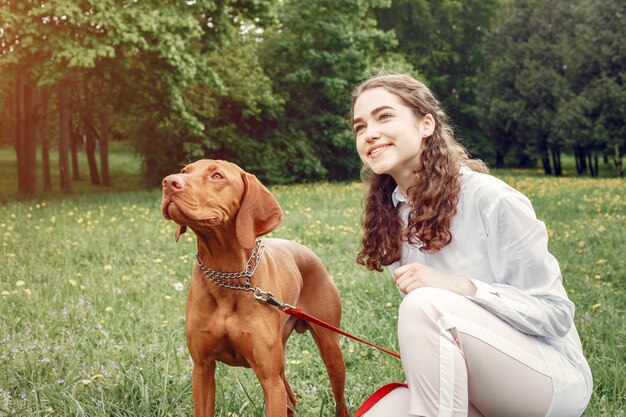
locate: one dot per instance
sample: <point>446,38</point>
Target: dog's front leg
<point>268,368</point>
<point>203,389</point>
<point>275,396</point>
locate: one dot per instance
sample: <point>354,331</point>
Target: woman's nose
<point>371,135</point>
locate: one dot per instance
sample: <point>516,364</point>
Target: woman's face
<point>389,134</point>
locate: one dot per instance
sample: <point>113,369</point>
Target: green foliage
<point>555,78</point>
<point>444,42</point>
<point>266,83</point>
<point>314,58</point>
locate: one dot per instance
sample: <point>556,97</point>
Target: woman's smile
<point>376,150</point>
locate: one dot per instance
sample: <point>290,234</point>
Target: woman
<point>485,326</point>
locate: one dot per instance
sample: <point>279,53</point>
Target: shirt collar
<point>398,197</point>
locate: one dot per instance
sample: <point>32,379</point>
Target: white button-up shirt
<point>501,246</point>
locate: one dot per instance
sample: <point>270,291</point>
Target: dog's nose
<point>173,183</point>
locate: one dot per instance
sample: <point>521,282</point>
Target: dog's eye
<point>217,176</point>
<point>183,171</point>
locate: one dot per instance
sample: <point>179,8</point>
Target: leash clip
<point>267,297</point>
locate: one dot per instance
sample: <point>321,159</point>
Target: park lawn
<point>92,311</point>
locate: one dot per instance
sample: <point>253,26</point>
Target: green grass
<point>91,323</point>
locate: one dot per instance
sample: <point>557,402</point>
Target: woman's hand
<point>416,275</point>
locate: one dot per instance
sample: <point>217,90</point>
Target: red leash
<point>297,312</point>
<point>268,298</point>
<point>377,396</point>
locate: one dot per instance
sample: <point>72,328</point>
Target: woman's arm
<point>528,293</point>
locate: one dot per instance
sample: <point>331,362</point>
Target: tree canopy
<point>266,83</point>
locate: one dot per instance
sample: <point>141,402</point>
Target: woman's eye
<point>358,128</point>
<point>217,176</point>
<point>384,116</point>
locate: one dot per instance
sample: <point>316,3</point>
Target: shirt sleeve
<point>528,292</point>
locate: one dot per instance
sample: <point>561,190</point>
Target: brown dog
<point>228,209</point>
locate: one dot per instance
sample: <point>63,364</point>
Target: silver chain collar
<point>219,278</point>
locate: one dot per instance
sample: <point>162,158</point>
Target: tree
<point>314,57</point>
<point>443,41</point>
<point>592,112</point>
<point>555,80</point>
<point>76,43</point>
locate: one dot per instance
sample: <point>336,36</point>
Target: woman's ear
<point>429,125</point>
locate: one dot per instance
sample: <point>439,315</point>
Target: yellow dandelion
<point>108,309</point>
<point>28,291</point>
<point>71,282</point>
<point>5,292</point>
<point>97,377</point>
<point>20,283</point>
<point>596,306</point>
<point>108,267</point>
<point>86,381</point>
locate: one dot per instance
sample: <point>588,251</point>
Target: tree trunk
<point>593,170</point>
<point>19,134</point>
<point>104,147</point>
<point>89,131</point>
<point>74,141</point>
<point>582,158</point>
<point>64,139</point>
<point>44,138</point>
<point>556,161</point>
<point>618,162</point>
<point>499,159</point>
<point>30,143</point>
<point>545,162</point>
<point>90,149</point>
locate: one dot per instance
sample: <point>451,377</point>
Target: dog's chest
<point>225,332</point>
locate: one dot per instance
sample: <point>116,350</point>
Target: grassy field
<point>92,306</point>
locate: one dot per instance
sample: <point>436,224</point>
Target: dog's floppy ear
<point>259,213</point>
<point>179,231</point>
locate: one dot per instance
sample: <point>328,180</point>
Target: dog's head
<point>212,194</point>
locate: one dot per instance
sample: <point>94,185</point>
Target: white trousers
<point>461,360</point>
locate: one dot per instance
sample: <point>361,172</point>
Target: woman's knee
<point>426,302</point>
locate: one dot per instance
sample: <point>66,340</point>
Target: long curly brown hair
<point>435,193</point>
